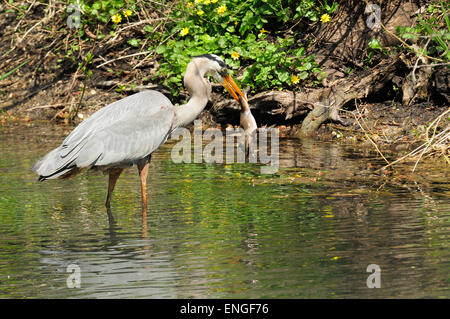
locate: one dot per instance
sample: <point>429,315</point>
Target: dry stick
<point>28,31</point>
<point>421,154</point>
<point>134,24</point>
<point>401,40</point>
<point>153,51</point>
<point>29,8</point>
<point>123,57</point>
<point>434,124</point>
<point>44,106</point>
<point>439,118</point>
<point>112,83</point>
<point>11,5</point>
<point>367,135</point>
<point>409,47</point>
<point>416,150</point>
<point>146,40</point>
<point>160,3</point>
<point>79,102</point>
<point>166,18</point>
<point>156,28</point>
<point>432,65</point>
<point>419,57</point>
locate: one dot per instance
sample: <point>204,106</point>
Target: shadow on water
<point>224,230</point>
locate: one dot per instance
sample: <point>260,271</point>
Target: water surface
<point>223,230</point>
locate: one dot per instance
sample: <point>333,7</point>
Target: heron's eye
<point>223,71</point>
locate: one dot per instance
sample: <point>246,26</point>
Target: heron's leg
<point>143,173</point>
<point>114,174</point>
<point>247,143</point>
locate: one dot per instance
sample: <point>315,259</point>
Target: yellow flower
<point>200,12</point>
<point>198,1</point>
<point>221,9</point>
<point>189,4</point>
<point>127,13</point>
<point>235,56</point>
<point>325,18</point>
<point>214,1</point>
<point>207,2</point>
<point>184,31</point>
<point>295,79</point>
<point>116,18</point>
<point>263,31</point>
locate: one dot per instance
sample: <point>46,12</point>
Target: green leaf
<point>134,42</point>
<point>375,44</point>
<point>283,76</point>
<point>161,49</point>
<point>303,75</point>
<point>149,28</point>
<point>308,65</point>
<point>222,42</point>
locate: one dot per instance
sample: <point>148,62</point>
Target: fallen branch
<point>330,100</point>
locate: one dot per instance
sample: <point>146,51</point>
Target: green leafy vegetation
<point>262,40</point>
<point>432,28</point>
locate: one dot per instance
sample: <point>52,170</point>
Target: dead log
<point>320,104</point>
<point>270,103</point>
<point>417,82</point>
<point>344,90</point>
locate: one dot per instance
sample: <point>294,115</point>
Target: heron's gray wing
<point>145,103</point>
<point>127,141</point>
<point>137,106</point>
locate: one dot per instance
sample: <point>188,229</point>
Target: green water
<point>223,231</point>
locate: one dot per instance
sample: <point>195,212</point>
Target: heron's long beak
<point>232,88</point>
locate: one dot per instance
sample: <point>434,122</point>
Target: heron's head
<point>215,66</point>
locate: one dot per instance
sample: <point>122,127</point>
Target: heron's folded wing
<point>142,104</point>
<point>127,141</point>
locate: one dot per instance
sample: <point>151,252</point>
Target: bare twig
<point>23,17</point>
<point>443,138</point>
<point>367,134</point>
<point>123,57</point>
<point>45,106</point>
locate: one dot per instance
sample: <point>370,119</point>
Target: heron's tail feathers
<point>53,165</point>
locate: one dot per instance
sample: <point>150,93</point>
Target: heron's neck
<point>186,113</point>
<point>199,90</point>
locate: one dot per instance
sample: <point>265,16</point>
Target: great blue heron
<point>128,131</point>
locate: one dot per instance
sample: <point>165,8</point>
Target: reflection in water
<point>218,231</point>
